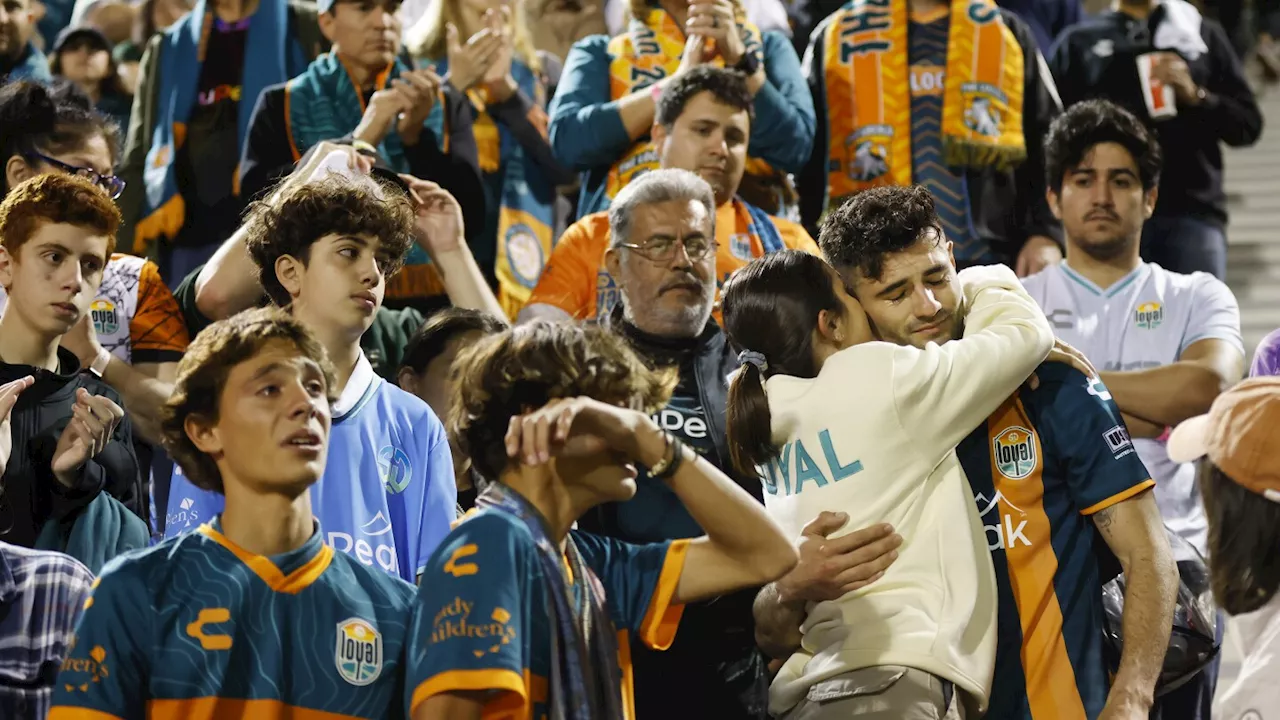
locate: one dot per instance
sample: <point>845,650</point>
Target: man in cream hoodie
<point>888,455</point>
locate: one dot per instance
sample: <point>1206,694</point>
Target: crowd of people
<point>603,360</point>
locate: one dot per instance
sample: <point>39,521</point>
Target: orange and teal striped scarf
<point>868,101</point>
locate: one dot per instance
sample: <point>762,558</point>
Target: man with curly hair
<point>556,415</point>
<point>324,250</point>
<point>169,629</point>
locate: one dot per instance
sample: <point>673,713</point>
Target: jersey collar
<point>304,565</point>
<point>1110,292</point>
<point>362,378</point>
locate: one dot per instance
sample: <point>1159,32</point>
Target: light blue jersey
<point>387,497</point>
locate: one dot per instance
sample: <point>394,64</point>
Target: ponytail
<point>750,424</point>
<point>771,306</point>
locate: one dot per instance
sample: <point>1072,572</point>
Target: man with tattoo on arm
<point>1167,343</point>
<point>1051,459</point>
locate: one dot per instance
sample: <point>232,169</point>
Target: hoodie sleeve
<point>114,470</point>
<point>945,391</point>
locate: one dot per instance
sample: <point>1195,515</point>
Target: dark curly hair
<point>524,368</point>
<point>728,87</point>
<point>876,222</point>
<point>50,120</point>
<point>334,205</point>
<point>1092,122</point>
<point>202,376</point>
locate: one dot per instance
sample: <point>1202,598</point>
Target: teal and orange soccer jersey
<point>197,628</point>
<point>1044,462</point>
<point>481,621</point>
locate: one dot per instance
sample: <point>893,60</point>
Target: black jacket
<point>31,495</point>
<point>1007,207</point>
<point>713,669</point>
<point>1098,59</point>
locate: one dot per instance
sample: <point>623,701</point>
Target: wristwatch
<point>100,362</point>
<point>748,64</point>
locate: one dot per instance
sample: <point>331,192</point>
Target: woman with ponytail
<point>832,421</point>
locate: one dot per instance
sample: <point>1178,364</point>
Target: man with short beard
<point>662,252</point>
<point>1167,343</point>
<point>19,59</point>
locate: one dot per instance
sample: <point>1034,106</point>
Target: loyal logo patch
<point>1015,452</point>
<point>1149,316</point>
<point>358,653</point>
<point>105,319</point>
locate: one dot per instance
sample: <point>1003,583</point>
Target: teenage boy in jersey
<point>69,437</point>
<point>702,124</point>
<point>1050,470</point>
<point>499,626</point>
<point>253,614</point>
<point>1167,343</point>
<point>324,250</point>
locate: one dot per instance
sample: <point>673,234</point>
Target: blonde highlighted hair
<point>428,38</point>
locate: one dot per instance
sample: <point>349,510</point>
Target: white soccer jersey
<point>1145,320</point>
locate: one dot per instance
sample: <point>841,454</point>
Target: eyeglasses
<point>664,249</point>
<point>112,184</point>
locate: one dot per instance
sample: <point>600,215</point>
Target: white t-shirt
<point>1144,320</point>
<point>874,436</point>
<point>1255,695</point>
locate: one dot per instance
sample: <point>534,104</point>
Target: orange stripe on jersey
<point>75,713</point>
<point>217,708</point>
<point>628,676</point>
<point>1119,497</point>
<point>1051,682</point>
<point>658,630</point>
<point>514,702</point>
<point>157,322</point>
<point>293,583</point>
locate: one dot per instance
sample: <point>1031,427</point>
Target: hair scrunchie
<point>751,357</point>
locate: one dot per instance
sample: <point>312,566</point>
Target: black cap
<point>93,35</point>
<point>381,170</point>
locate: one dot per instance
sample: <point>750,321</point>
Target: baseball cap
<point>1240,434</point>
<point>92,36</point>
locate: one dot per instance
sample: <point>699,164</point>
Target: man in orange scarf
<point>949,94</point>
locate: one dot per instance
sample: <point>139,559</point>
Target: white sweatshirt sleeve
<point>944,391</point>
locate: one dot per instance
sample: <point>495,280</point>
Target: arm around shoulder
<point>944,391</point>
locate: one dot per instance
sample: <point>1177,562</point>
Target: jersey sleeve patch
<point>1102,466</point>
<point>470,623</point>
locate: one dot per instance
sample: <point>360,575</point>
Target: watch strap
<point>99,365</point>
